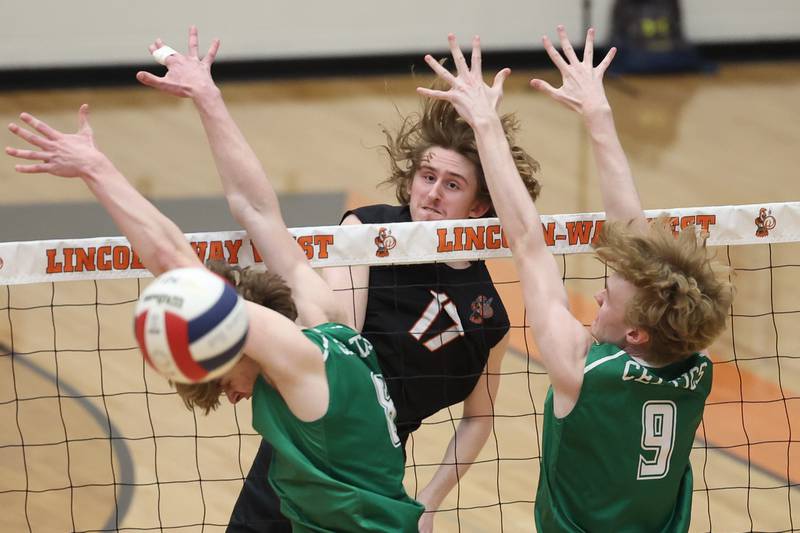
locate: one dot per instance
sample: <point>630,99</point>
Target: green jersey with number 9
<point>343,472</point>
<point>619,461</point>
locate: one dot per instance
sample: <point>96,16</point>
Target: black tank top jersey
<point>432,327</point>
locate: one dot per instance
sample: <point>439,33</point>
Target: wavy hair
<point>439,124</point>
<point>264,288</point>
<point>683,296</point>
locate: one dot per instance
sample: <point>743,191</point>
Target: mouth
<point>432,210</point>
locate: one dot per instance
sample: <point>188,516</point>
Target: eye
<point>453,186</point>
<point>429,178</point>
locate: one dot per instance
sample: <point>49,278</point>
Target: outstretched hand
<point>581,82</point>
<point>469,94</point>
<point>187,75</point>
<point>67,155</point>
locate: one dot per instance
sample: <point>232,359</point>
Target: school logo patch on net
<point>764,222</point>
<point>385,242</point>
<point>481,309</point>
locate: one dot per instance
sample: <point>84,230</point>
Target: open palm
<point>581,82</point>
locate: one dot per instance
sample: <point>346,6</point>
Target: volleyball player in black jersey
<point>440,329</point>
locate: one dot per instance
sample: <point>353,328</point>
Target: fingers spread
<point>40,126</point>
<point>432,93</point>
<point>151,80</point>
<point>566,46</point>
<point>500,78</point>
<point>601,68</point>
<point>588,49</point>
<point>543,86</point>
<point>83,119</point>
<point>458,57</point>
<point>29,137</point>
<point>193,41</point>
<point>212,52</point>
<point>440,71</point>
<point>28,154</point>
<point>34,169</point>
<point>476,55</point>
<point>555,57</point>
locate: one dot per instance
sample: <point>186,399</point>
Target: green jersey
<point>343,472</point>
<point>619,461</point>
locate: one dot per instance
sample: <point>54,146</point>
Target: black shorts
<point>258,508</point>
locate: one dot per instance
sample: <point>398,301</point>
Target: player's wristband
<point>161,54</point>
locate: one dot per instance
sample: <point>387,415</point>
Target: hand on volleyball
<point>187,75</point>
<point>61,154</point>
<point>470,95</point>
<point>582,83</point>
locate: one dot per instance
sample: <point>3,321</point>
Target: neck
<point>637,352</point>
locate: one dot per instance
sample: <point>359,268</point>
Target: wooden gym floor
<point>693,140</point>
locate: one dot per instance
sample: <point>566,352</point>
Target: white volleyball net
<point>93,440</point>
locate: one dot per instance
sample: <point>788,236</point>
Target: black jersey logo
<point>440,306</point>
<point>764,222</point>
<point>385,242</point>
<point>481,309</point>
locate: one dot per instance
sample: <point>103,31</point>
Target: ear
<point>637,337</point>
<point>479,208</point>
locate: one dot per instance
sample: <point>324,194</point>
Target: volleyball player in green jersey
<point>318,395</point>
<point>626,396</point>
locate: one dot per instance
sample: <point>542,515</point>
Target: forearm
<point>620,198</point>
<point>517,212</point>
<point>156,239</point>
<point>471,434</point>
<point>243,179</point>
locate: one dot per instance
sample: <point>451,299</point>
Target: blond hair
<point>264,288</point>
<point>440,125</point>
<point>683,297</point>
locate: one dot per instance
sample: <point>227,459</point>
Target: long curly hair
<point>683,296</point>
<point>263,288</point>
<point>439,124</point>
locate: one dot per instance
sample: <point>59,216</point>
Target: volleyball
<point>190,325</point>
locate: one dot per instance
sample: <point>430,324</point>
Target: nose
<point>435,190</point>
<point>233,396</point>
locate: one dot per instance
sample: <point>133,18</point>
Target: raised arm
<point>288,358</point>
<point>250,196</point>
<point>562,340</point>
<point>582,91</point>
<point>155,238</point>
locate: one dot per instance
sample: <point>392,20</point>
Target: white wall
<point>51,33</point>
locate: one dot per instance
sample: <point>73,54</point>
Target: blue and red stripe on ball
<point>181,334</point>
